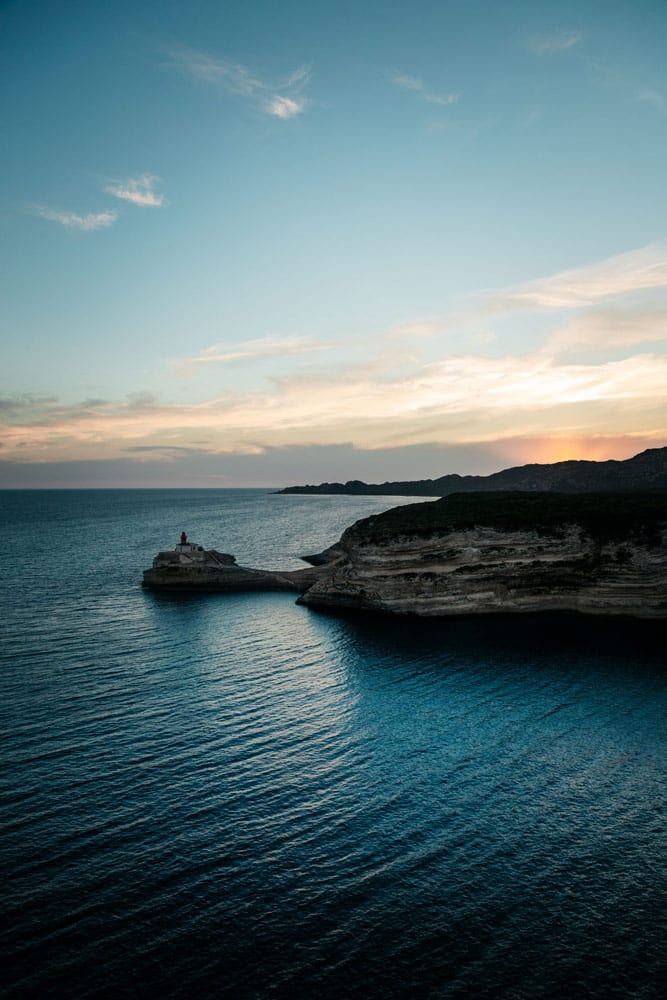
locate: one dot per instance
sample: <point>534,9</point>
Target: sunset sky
<point>259,243</point>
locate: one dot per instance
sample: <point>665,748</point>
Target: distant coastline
<point>645,471</point>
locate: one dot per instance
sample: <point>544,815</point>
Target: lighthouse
<point>185,546</point>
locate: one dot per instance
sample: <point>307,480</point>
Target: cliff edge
<point>505,552</point>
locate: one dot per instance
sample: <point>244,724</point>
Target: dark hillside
<point>603,516</point>
<point>646,471</point>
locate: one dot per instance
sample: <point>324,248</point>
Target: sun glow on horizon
<point>591,449</point>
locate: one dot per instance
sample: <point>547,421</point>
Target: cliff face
<point>504,553</point>
<point>485,570</point>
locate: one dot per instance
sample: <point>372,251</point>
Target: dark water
<point>238,797</point>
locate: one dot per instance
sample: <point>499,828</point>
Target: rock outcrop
<point>504,553</point>
<point>599,554</point>
<point>192,568</point>
<point>486,570</point>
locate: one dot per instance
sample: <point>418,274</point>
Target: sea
<point>233,796</point>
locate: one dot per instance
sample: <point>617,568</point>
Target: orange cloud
<point>459,399</point>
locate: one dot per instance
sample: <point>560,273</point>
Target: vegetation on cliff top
<point>603,516</point>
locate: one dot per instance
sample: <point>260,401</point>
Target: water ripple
<point>237,797</point>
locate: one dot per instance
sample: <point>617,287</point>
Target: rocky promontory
<point>594,553</point>
<point>190,568</point>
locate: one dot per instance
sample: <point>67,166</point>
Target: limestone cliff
<point>603,554</point>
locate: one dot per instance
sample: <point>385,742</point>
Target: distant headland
<point>645,471</point>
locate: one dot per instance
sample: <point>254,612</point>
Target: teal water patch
<point>235,796</point>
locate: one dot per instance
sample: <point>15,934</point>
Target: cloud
<point>24,402</point>
<point>298,78</point>
<point>234,77</point>
<point>418,87</point>
<point>559,41</point>
<point>634,271</point>
<point>608,78</point>
<point>251,350</point>
<point>442,99</point>
<point>70,220</point>
<point>285,107</point>
<point>272,467</point>
<point>455,399</point>
<point>407,82</point>
<point>168,449</point>
<point>415,330</point>
<point>471,384</point>
<point>141,400</point>
<point>280,99</point>
<point>606,330</point>
<point>575,386</point>
<point>137,190</point>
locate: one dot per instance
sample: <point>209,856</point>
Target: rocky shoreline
<point>193,569</point>
<point>603,554</point>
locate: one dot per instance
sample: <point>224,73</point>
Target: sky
<point>258,243</point>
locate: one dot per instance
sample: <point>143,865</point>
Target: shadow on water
<point>495,638</point>
<point>524,636</point>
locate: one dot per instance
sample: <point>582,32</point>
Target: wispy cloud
<point>592,376</point>
<point>416,330</point>
<point>627,87</point>
<point>442,99</point>
<point>619,275</point>
<point>24,402</point>
<point>416,86</point>
<point>407,82</point>
<point>455,399</point>
<point>282,99</point>
<point>235,78</point>
<point>298,78</point>
<point>605,330</point>
<point>71,220</point>
<point>137,190</point>
<point>251,350</point>
<point>558,41</point>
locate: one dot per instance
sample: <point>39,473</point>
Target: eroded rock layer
<point>487,570</point>
<point>607,556</point>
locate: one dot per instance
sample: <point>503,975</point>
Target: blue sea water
<point>234,796</point>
